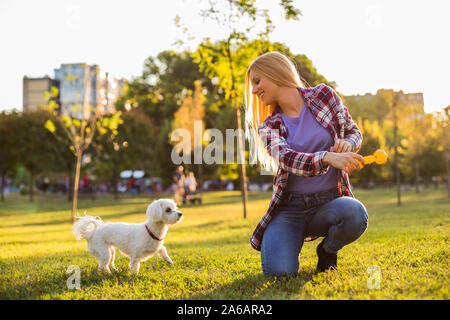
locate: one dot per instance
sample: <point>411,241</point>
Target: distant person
<point>191,183</point>
<point>86,183</point>
<point>178,185</point>
<point>45,184</point>
<point>153,184</point>
<point>316,142</point>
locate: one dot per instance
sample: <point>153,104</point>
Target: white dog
<point>138,241</point>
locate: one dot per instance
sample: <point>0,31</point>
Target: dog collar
<point>152,235</point>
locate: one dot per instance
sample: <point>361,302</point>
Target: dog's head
<point>165,211</point>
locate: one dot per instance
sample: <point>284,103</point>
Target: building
<point>415,99</point>
<point>78,84</point>
<point>82,83</point>
<point>377,106</point>
<point>34,90</point>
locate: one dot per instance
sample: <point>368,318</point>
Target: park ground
<point>406,248</point>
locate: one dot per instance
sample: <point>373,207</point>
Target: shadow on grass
<point>39,277</point>
<point>254,287</point>
<point>227,199</point>
<point>200,226</point>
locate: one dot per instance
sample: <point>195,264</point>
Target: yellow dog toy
<point>379,157</point>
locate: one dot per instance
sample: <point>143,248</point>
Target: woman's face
<point>263,87</point>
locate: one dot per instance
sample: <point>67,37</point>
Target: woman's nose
<point>254,90</point>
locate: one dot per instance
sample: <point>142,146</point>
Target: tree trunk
<point>241,155</point>
<point>397,171</point>
<point>76,184</point>
<point>114,184</point>
<point>200,178</point>
<point>416,160</point>
<point>31,186</point>
<point>447,166</point>
<point>3,186</point>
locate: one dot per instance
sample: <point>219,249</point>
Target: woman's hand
<point>346,161</point>
<point>341,146</point>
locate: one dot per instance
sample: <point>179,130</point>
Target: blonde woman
<point>310,136</point>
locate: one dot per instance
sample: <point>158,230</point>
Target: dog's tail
<point>85,226</point>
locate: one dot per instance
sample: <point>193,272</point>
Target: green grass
<point>212,255</point>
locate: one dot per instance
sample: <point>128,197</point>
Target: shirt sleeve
<point>351,130</point>
<point>298,163</point>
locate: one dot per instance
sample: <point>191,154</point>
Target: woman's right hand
<point>346,161</point>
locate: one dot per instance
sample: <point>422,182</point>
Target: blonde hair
<point>280,70</point>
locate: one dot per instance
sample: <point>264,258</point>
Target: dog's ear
<point>154,210</point>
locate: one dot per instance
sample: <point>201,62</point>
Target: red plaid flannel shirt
<point>329,111</point>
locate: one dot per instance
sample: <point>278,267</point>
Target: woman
<point>309,134</point>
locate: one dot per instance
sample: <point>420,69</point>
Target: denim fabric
<point>341,220</point>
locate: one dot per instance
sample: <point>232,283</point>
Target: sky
<point>362,45</point>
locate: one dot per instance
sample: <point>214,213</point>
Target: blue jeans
<point>341,220</point>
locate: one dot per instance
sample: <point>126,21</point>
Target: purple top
<point>305,134</point>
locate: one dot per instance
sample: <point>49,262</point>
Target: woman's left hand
<point>341,146</point>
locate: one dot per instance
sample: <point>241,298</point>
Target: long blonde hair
<point>281,71</point>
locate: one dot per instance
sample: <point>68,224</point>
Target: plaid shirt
<point>329,111</point>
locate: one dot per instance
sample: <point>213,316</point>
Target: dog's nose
<point>179,214</point>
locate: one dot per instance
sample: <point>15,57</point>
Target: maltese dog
<point>138,241</point>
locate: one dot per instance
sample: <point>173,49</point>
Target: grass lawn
<point>213,257</point>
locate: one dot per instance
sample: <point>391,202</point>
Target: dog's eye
<point>168,210</point>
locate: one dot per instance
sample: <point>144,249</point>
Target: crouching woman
<point>310,137</point>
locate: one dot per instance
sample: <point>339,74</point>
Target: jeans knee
<point>278,265</point>
<point>280,270</point>
<point>358,216</point>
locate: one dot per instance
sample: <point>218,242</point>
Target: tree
<point>368,106</point>
<point>225,61</point>
<point>308,73</point>
<point>165,82</point>
<point>131,148</point>
<point>392,99</point>
<point>189,117</point>
<point>9,154</point>
<point>79,122</point>
<point>374,139</point>
<point>192,110</point>
<point>36,146</point>
<point>159,93</point>
<point>443,127</point>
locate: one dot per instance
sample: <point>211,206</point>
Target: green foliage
<point>9,154</point>
<point>374,139</point>
<point>370,107</point>
<point>34,143</point>
<point>308,73</point>
<point>126,145</point>
<point>419,137</point>
<point>78,122</point>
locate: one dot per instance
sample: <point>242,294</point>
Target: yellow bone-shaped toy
<point>379,157</point>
